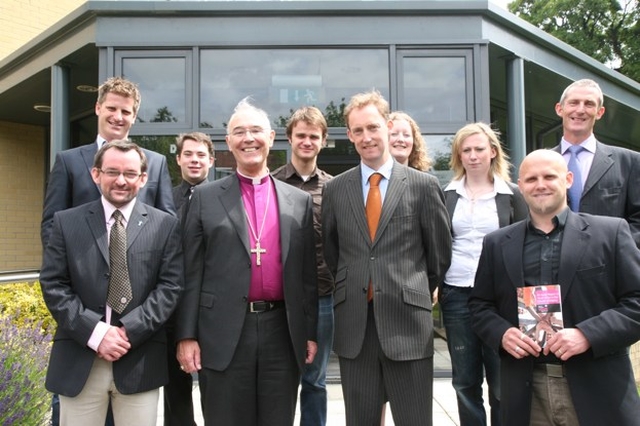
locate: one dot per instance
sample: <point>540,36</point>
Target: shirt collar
<point>500,186</point>
<point>588,144</point>
<point>100,141</point>
<point>384,170</point>
<point>290,170</point>
<point>109,208</point>
<point>559,221</point>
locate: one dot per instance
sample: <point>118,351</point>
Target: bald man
<point>585,366</point>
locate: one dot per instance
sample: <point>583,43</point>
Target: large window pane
<point>281,80</point>
<point>162,83</point>
<point>434,89</point>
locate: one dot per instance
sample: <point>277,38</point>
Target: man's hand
<point>188,355</point>
<point>567,343</point>
<point>518,344</point>
<point>312,349</point>
<point>115,344</point>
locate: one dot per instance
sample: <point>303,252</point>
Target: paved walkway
<point>445,409</point>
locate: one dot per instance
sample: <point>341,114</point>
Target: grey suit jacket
<point>218,270</point>
<point>405,263</point>
<point>612,187</point>
<point>70,184</point>
<point>75,280</point>
<point>599,263</point>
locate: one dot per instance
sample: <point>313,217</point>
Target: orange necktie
<point>372,209</point>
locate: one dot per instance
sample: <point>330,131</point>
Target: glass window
<point>163,85</point>
<point>434,89</point>
<point>282,80</point>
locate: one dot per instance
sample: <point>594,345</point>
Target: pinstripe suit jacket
<point>406,261</point>
<point>75,280</point>
<point>612,187</point>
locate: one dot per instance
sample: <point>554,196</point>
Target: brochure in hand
<point>540,311</point>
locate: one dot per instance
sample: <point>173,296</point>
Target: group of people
<point>251,280</point>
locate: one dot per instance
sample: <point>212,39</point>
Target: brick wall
<point>21,194</point>
<point>22,20</point>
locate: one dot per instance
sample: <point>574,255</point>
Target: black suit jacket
<point>511,207</point>
<point>218,270</point>
<point>599,266</point>
<point>612,187</point>
<point>74,280</point>
<point>70,184</point>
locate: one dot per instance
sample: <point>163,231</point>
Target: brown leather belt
<point>264,306</point>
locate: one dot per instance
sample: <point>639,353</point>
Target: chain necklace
<point>258,250</point>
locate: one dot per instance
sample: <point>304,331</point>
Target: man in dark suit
<point>607,178</point>
<point>248,318</point>
<point>585,366</point>
<point>70,182</point>
<point>106,351</point>
<point>195,158</point>
<point>384,282</point>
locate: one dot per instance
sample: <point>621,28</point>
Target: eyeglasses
<point>241,131</point>
<point>114,174</point>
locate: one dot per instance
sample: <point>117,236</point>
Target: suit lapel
<point>231,200</point>
<point>395,190</point>
<point>512,253</point>
<point>575,233</point>
<point>285,213</point>
<point>88,154</point>
<point>356,201</point>
<point>98,226</point>
<point>602,162</point>
<point>137,221</point>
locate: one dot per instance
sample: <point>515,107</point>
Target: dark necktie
<point>373,207</point>
<point>191,189</point>
<point>120,293</point>
<point>575,191</point>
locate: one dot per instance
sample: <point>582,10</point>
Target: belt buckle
<point>555,370</point>
<point>257,307</point>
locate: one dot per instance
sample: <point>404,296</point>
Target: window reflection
<point>282,80</point>
<point>434,89</point>
<point>162,83</point>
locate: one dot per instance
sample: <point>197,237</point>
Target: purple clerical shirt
<point>266,278</point>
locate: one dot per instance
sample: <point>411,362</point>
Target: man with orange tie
<point>387,241</point>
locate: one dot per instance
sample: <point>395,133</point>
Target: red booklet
<point>540,311</point>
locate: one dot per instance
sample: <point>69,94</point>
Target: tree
<point>606,30</point>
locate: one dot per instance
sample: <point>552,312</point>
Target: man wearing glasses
<point>111,276</point>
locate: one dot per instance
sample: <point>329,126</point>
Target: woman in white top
<point>480,199</point>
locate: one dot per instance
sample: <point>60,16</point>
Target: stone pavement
<point>445,409</point>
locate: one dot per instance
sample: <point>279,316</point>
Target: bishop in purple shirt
<point>248,319</point>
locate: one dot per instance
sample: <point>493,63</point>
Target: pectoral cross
<point>258,251</point>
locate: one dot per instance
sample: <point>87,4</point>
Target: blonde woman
<point>479,199</point>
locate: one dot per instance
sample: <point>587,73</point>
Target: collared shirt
<point>384,170</point>
<point>585,157</point>
<point>260,202</point>
<point>541,259</point>
<point>103,326</point>
<point>181,194</point>
<point>100,141</point>
<point>313,186</point>
<point>471,221</point>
